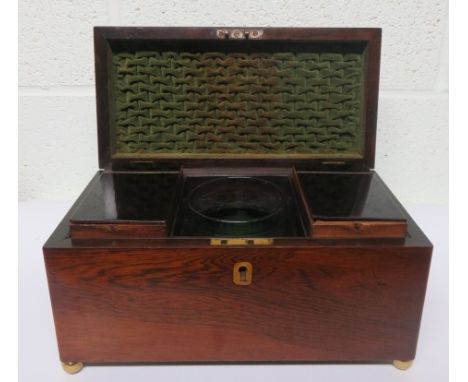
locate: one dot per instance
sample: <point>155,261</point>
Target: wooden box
<point>236,215</point>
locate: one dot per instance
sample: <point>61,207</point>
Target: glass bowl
<point>235,206</point>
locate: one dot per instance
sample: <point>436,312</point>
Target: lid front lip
<point>105,36</point>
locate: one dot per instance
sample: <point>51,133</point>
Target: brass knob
<point>72,367</point>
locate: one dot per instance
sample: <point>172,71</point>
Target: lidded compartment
<point>172,96</point>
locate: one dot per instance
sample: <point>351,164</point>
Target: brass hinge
<point>241,241</point>
<point>239,34</point>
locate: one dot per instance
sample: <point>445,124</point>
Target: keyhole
<point>243,273</point>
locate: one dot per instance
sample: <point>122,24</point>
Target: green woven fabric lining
<point>237,103</point>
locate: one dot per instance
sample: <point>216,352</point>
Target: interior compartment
<point>235,204</point>
<point>125,204</point>
<point>350,205</point>
<point>239,202</point>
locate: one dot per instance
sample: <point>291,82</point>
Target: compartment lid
<point>301,96</point>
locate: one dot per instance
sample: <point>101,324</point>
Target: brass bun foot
<point>402,365</point>
<point>72,367</point>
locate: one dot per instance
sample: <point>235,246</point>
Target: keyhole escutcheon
<point>242,273</point>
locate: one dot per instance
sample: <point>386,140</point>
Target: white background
<point>58,153</point>
<point>57,122</point>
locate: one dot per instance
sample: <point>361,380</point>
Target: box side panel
<point>181,305</point>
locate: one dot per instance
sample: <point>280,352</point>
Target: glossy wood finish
<point>318,204</point>
<point>117,230</point>
<point>124,292</point>
<point>348,196</point>
<point>60,238</point>
<point>174,300</point>
<point>181,305</point>
<point>107,37</point>
<point>329,229</point>
<point>137,197</point>
<point>340,205</point>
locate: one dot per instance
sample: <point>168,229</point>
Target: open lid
<point>299,96</point>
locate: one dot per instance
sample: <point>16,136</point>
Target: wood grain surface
<point>181,305</point>
<point>117,230</point>
<point>358,229</point>
<point>164,299</point>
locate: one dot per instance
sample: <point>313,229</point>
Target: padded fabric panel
<point>168,102</point>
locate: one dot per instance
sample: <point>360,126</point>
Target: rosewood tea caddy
<point>236,215</point>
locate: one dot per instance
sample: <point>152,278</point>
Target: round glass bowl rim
<point>278,207</point>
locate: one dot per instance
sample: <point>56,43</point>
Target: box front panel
<point>189,305</point>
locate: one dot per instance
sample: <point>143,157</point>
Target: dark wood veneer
<point>181,305</point>
<point>349,286</point>
<point>126,298</point>
<point>117,230</point>
<point>330,229</point>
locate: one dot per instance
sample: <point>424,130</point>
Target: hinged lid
<point>236,95</point>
